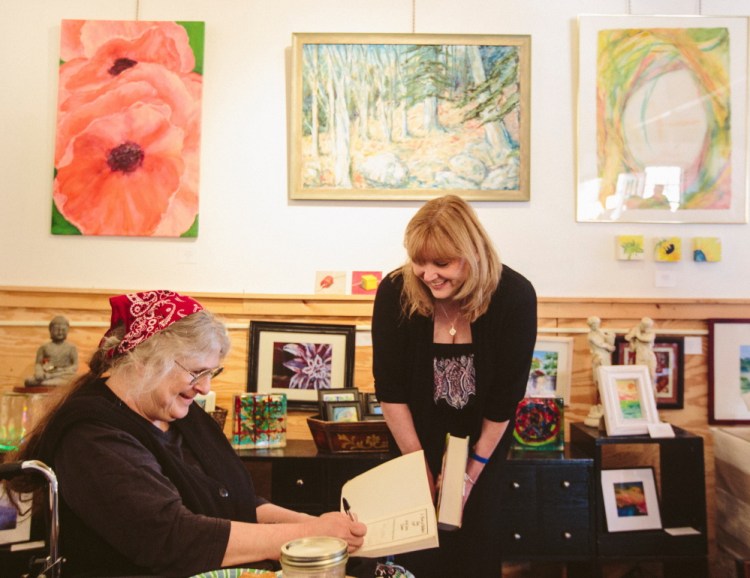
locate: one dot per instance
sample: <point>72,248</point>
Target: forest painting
<point>407,117</point>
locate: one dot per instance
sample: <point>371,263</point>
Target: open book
<point>394,501</point>
<point>451,495</point>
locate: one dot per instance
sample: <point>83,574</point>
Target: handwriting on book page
<point>397,528</point>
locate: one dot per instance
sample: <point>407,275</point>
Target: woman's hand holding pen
<point>340,525</point>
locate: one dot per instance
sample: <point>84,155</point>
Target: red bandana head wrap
<point>145,314</point>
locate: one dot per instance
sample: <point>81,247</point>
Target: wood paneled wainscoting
<point>26,312</point>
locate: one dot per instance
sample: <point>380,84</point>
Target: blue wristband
<point>479,459</point>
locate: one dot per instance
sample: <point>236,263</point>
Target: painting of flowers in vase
<point>127,147</point>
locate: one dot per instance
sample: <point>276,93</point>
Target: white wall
<point>252,237</point>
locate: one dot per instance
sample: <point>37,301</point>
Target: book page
<point>394,501</point>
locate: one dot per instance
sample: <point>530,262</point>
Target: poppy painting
<point>127,147</point>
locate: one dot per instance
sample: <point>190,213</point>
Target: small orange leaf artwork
<point>330,283</point>
<point>127,146</point>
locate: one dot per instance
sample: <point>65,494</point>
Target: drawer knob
<point>300,482</point>
<point>565,484</point>
<point>515,485</point>
<point>516,536</point>
<point>567,535</point>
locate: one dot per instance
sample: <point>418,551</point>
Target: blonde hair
<point>447,228</point>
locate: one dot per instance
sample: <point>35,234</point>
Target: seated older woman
<point>148,482</point>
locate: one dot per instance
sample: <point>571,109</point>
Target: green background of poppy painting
<point>196,38</point>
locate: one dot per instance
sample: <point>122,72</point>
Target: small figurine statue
<point>641,339</point>
<point>601,345</point>
<point>57,361</point>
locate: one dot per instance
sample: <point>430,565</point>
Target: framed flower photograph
<point>631,501</point>
<point>551,368</point>
<point>300,359</point>
<point>366,108</point>
<point>662,119</point>
<point>669,384</point>
<point>628,399</point>
<point>729,371</point>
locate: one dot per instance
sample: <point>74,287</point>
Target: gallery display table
<point>682,497</point>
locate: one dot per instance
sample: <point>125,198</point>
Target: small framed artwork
<point>551,368</point>
<point>729,371</point>
<point>343,411</point>
<point>372,405</point>
<point>14,526</point>
<point>669,383</point>
<point>326,396</point>
<point>300,359</point>
<point>631,502</point>
<point>628,399</point>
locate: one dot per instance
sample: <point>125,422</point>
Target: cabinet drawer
<point>519,532</point>
<point>518,487</point>
<point>566,531</point>
<point>565,486</point>
<point>298,483</point>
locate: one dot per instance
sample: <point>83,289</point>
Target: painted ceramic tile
<point>668,249</point>
<point>127,148</point>
<point>330,283</point>
<point>630,248</point>
<point>707,249</point>
<point>259,420</point>
<point>365,282</point>
<point>539,424</point>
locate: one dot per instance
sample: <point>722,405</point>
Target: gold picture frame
<point>366,108</point>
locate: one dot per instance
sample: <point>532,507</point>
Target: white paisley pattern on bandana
<point>455,380</point>
<point>152,311</point>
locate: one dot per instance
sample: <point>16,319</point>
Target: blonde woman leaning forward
<point>453,335</point>
<point>149,484</point>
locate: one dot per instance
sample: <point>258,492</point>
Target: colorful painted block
<point>630,248</point>
<point>259,421</point>
<point>707,249</point>
<point>668,249</point>
<point>539,424</point>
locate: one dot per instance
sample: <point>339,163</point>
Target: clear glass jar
<point>316,557</point>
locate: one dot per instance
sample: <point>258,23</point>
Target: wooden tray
<point>348,437</point>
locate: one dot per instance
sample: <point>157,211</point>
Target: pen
<point>347,509</point>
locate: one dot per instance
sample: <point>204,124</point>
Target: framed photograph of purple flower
<point>299,360</point>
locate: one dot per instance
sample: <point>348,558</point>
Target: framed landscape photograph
<point>669,383</point>
<point>346,411</point>
<point>410,116</point>
<point>551,368</point>
<point>631,501</point>
<point>729,371</point>
<point>662,119</point>
<point>300,359</point>
<point>628,399</point>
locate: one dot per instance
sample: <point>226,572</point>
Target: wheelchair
<point>33,563</point>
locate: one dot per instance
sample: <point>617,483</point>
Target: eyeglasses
<point>210,373</point>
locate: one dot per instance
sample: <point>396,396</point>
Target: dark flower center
<point>121,65</point>
<point>126,157</point>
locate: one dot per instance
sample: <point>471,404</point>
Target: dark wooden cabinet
<point>682,497</point>
<point>547,495</point>
<point>547,514</point>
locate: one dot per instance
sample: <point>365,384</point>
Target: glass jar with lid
<point>315,557</point>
